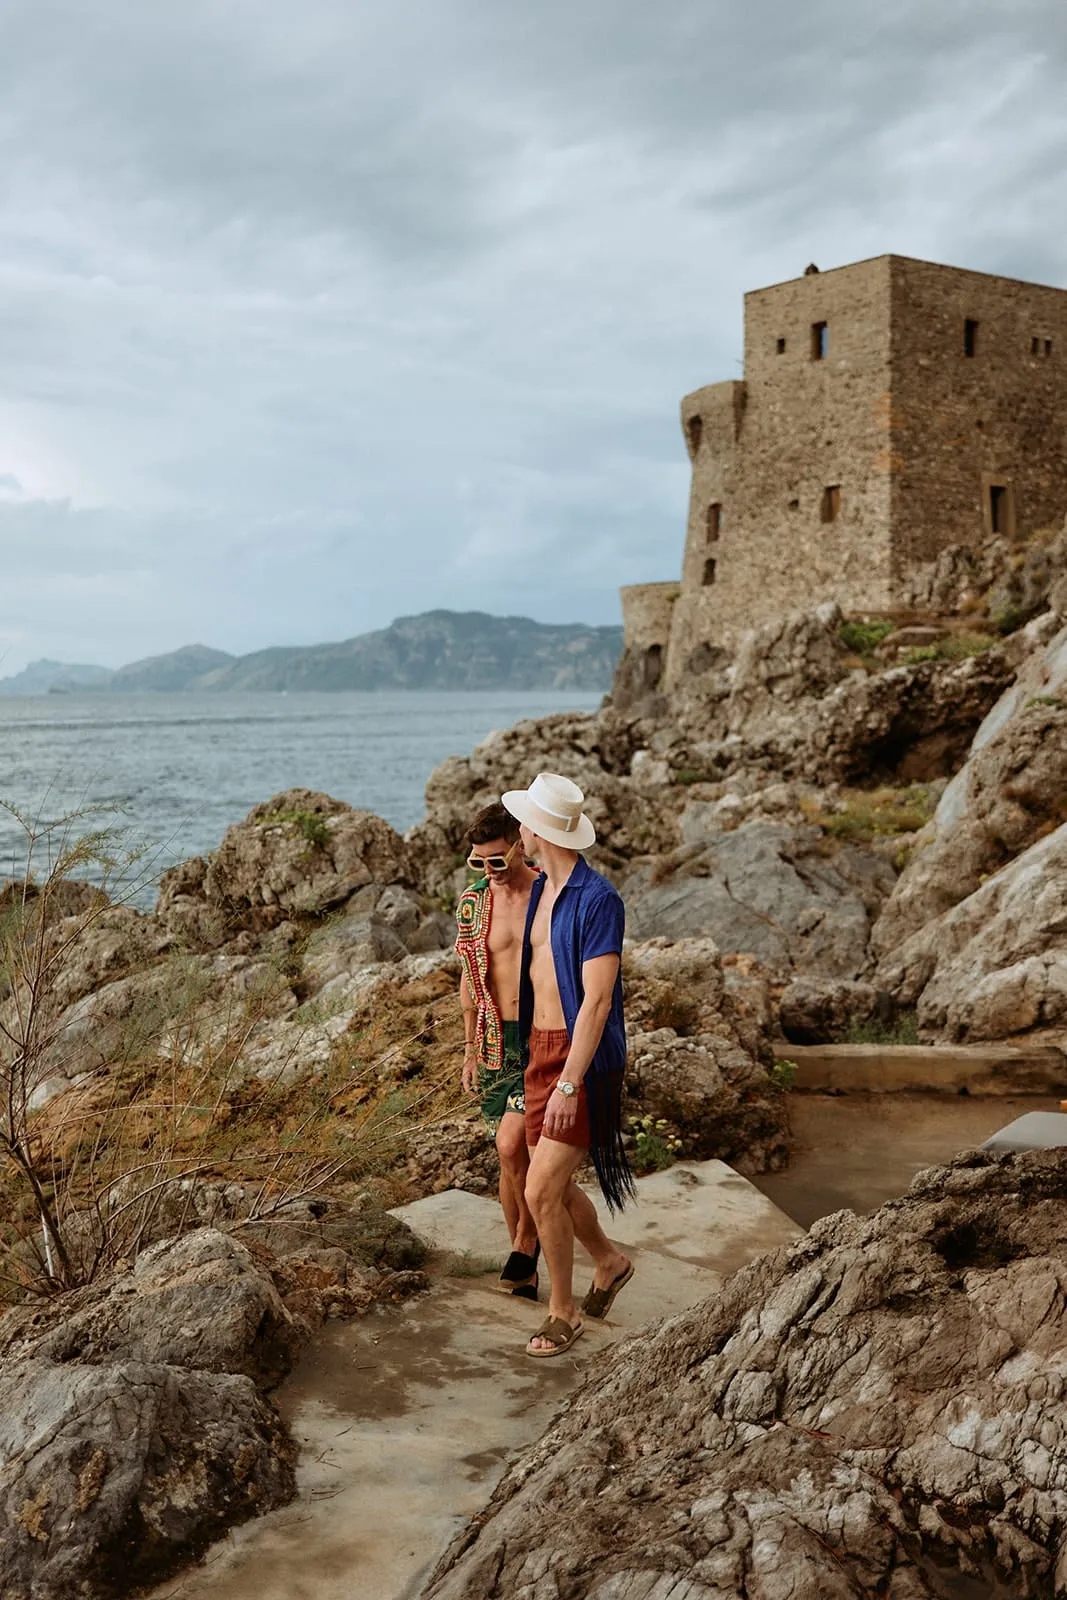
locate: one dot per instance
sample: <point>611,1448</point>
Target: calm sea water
<point>184,767</point>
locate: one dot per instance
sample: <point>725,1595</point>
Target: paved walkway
<point>406,1418</point>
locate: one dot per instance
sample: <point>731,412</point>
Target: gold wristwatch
<point>567,1088</point>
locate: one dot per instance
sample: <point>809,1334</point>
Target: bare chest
<point>506,928</point>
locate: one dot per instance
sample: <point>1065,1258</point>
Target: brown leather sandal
<point>598,1302</point>
<point>560,1333</point>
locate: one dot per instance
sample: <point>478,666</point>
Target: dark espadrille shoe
<point>520,1271</point>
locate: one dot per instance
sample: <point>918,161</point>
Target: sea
<point>175,771</point>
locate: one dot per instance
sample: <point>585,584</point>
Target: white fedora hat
<point>552,808</point>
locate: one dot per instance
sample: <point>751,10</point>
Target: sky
<point>314,313</point>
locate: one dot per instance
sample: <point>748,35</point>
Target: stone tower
<point>888,409</point>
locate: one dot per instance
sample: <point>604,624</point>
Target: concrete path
<point>407,1417</point>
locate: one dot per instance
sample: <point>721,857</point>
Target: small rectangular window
<point>820,341</point>
<point>694,429</point>
<point>714,521</point>
<point>970,337</point>
<point>830,507</point>
<point>1048,347</point>
<point>1035,346</point>
<point>781,347</point>
<point>1000,509</point>
<point>709,572</point>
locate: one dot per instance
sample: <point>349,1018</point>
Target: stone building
<point>888,409</point>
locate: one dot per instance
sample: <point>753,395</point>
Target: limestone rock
<point>695,1056</point>
<point>1012,788</point>
<point>996,964</point>
<point>131,1429</point>
<point>299,854</point>
<point>821,1010</point>
<point>771,889</point>
<point>112,1477</point>
<point>199,1301</point>
<point>874,1411</point>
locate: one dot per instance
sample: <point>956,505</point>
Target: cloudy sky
<point>317,312</point>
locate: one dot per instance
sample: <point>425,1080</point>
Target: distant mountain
<point>40,677</point>
<point>180,669</point>
<point>437,650</point>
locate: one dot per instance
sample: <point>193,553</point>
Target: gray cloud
<point>312,314</point>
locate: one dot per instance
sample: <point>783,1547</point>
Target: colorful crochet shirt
<point>474,913</point>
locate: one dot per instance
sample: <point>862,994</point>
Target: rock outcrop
<point>132,1432</point>
<point>135,1423</point>
<point>778,891</point>
<point>873,1411</point>
<point>1011,790</point>
<point>996,964</point>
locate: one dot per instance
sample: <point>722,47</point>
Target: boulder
<point>1011,790</point>
<point>132,1432</point>
<point>300,854</point>
<point>199,1301</point>
<point>995,964</point>
<point>780,891</point>
<point>695,1055</point>
<point>873,1411</point>
<point>822,1010</point>
<point>113,1477</point>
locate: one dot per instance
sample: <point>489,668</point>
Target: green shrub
<point>879,813</point>
<point>863,637</point>
<point>904,1030</point>
<point>1009,619</point>
<point>784,1075</point>
<point>953,647</point>
<point>312,824</point>
<point>656,1144</point>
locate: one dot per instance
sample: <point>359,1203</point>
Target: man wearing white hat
<point>572,1030</point>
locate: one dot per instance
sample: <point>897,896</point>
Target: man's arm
<point>470,1028</point>
<point>598,984</point>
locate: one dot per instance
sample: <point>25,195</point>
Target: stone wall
<point>807,420</point>
<point>647,610</point>
<point>890,409</point>
<point>961,423</point>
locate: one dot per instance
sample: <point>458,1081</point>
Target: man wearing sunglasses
<point>491,917</point>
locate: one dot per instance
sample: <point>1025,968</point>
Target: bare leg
<point>514,1165</point>
<point>561,1210</point>
<point>608,1259</point>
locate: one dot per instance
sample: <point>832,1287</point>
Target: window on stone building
<point>781,347</point>
<point>820,341</point>
<point>1048,347</point>
<point>709,572</point>
<point>1001,509</point>
<point>830,507</point>
<point>693,429</point>
<point>1035,346</point>
<point>970,337</point>
<point>714,521</point>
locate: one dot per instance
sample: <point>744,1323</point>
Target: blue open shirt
<point>588,920</point>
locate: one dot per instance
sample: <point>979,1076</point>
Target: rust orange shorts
<point>548,1056</point>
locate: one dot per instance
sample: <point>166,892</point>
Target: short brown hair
<point>493,822</point>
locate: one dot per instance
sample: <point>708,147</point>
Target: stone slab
<point>407,1417</point>
<point>702,1212</point>
<point>1037,1130</point>
<point>985,1069</point>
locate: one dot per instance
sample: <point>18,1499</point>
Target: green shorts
<point>502,1090</point>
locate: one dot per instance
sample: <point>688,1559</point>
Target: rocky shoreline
<point>855,827</point>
